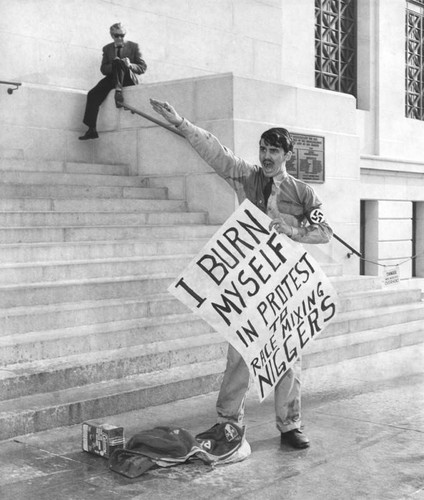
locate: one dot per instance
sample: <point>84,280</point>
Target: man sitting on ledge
<point>122,63</point>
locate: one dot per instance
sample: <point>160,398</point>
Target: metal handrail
<point>10,90</point>
<point>175,131</point>
<point>352,250</point>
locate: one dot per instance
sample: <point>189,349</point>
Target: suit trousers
<point>235,386</point>
<point>120,77</point>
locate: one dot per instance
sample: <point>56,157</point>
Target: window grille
<point>414,55</point>
<point>335,45</point>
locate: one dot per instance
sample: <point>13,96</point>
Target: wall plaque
<point>307,161</point>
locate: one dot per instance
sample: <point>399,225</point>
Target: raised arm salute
<point>293,205</point>
<point>295,211</point>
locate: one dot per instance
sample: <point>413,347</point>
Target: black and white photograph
<point>212,250</point>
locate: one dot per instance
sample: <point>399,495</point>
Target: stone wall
<point>59,41</point>
<point>262,50</point>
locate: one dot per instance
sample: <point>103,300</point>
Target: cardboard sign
<point>262,291</point>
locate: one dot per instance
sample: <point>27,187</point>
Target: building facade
<point>347,74</point>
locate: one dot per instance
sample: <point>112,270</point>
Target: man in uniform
<point>295,211</point>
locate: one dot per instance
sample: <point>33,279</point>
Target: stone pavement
<point>365,419</point>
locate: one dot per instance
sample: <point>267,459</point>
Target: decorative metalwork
<point>414,59</point>
<point>335,45</point>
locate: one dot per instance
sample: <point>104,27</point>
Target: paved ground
<point>365,419</point>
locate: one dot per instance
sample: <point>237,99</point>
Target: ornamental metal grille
<point>335,45</point>
<point>414,55</point>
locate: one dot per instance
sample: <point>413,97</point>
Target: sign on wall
<point>262,291</point>
<point>308,160</point>
<point>391,275</point>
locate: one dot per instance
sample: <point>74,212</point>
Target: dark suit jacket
<point>130,50</point>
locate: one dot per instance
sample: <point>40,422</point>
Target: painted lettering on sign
<point>266,295</point>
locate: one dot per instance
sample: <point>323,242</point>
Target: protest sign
<point>262,291</point>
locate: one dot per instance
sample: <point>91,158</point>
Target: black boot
<point>90,134</point>
<point>295,439</point>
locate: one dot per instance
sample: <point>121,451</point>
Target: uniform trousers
<point>235,386</point>
<point>120,77</point>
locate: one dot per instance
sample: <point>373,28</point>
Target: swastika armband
<point>316,216</point>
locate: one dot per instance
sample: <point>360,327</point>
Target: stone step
<point>71,406</point>
<point>328,350</point>
<point>53,292</point>
<point>102,233</point>
<point>349,284</point>
<point>368,319</point>
<point>68,314</point>
<point>11,153</point>
<point>69,251</point>
<point>33,294</point>
<point>55,274</point>
<point>29,332</point>
<point>25,379</point>
<point>141,328</point>
<point>54,408</point>
<point>332,269</point>
<point>87,205</point>
<point>87,269</point>
<point>19,164</point>
<point>50,271</point>
<point>60,178</point>
<point>381,298</point>
<point>79,191</point>
<point>70,219</point>
<point>41,253</point>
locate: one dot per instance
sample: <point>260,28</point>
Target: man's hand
<point>167,111</point>
<point>281,227</point>
<point>127,62</point>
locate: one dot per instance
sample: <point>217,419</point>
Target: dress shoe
<point>295,439</point>
<point>90,134</point>
<point>119,98</point>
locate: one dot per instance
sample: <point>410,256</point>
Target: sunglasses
<point>118,35</point>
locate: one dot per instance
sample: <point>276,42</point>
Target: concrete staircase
<point>87,327</point>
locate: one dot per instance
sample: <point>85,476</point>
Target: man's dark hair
<point>278,137</point>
